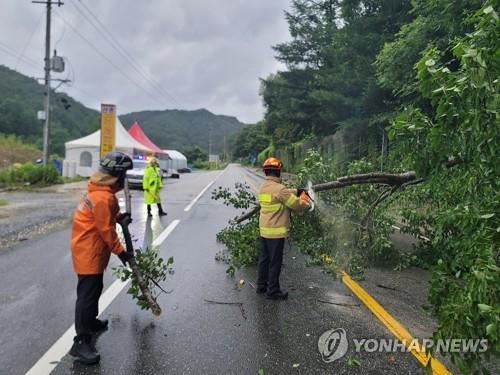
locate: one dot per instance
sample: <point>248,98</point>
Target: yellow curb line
<point>395,327</point>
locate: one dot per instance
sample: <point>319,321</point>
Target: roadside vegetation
<point>29,174</point>
<point>16,164</point>
<point>14,150</point>
<point>421,96</point>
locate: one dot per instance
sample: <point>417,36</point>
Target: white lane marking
<point>163,235</point>
<point>53,356</point>
<point>190,205</point>
<point>46,364</point>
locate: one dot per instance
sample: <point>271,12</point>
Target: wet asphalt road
<point>37,292</point>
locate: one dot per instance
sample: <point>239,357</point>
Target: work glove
<point>124,219</point>
<point>125,256</point>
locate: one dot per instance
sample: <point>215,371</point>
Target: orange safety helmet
<point>272,163</point>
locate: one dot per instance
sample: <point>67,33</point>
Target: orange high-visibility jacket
<point>94,236</point>
<point>276,201</point>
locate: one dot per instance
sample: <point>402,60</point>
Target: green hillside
<point>20,99</point>
<point>181,130</point>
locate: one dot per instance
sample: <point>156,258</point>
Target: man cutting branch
<point>276,201</point>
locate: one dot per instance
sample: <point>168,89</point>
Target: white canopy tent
<point>176,160</point>
<point>82,155</point>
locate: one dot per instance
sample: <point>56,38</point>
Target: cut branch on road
<point>395,180</point>
<point>146,293</point>
<point>239,304</point>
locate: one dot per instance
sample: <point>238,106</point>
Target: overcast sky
<point>202,53</point>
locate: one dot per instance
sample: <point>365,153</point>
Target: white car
<point>136,175</point>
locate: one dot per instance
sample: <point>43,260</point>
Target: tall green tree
<point>436,23</point>
<point>330,81</point>
<point>455,149</point>
<point>250,141</point>
<point>195,154</point>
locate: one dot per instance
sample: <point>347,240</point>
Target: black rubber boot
<point>82,352</point>
<point>160,210</point>
<point>100,325</point>
<point>280,295</point>
<point>149,210</point>
<point>261,290</point>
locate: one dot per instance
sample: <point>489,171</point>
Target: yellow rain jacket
<point>151,184</point>
<point>276,201</point>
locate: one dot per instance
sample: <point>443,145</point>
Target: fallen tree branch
<point>383,196</point>
<point>387,287</point>
<point>239,304</point>
<point>395,180</point>
<point>248,215</point>
<point>159,286</point>
<point>367,178</point>
<point>222,303</point>
<point>146,295</point>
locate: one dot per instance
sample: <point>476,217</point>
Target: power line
<point>16,54</point>
<point>86,93</point>
<point>29,40</point>
<point>10,51</point>
<point>123,52</point>
<point>107,59</point>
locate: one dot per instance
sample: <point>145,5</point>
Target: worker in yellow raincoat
<point>152,184</point>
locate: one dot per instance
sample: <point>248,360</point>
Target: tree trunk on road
<point>390,179</point>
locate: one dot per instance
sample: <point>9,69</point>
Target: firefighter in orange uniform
<point>93,239</point>
<point>276,201</point>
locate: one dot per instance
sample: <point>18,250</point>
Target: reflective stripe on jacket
<point>151,184</point>
<point>276,201</point>
<point>93,235</point>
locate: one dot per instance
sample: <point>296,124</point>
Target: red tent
<point>136,132</point>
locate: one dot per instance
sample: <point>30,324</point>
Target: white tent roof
<point>123,140</point>
<point>176,155</point>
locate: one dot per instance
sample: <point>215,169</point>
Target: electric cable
<point>108,60</point>
<point>115,44</point>
<point>29,40</point>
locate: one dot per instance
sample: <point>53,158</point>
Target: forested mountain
<point>21,97</point>
<point>181,130</point>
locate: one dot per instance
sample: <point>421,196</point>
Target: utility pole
<point>225,150</point>
<point>46,126</point>
<point>209,141</point>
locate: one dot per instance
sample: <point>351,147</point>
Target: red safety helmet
<point>272,163</point>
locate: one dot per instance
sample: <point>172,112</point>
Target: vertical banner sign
<point>108,124</point>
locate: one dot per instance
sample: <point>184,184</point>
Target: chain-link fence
<point>339,149</point>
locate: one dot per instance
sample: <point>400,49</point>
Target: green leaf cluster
<point>241,240</point>
<point>30,174</point>
<point>458,207</point>
<point>154,270</point>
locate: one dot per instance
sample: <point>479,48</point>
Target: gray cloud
<point>208,53</point>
